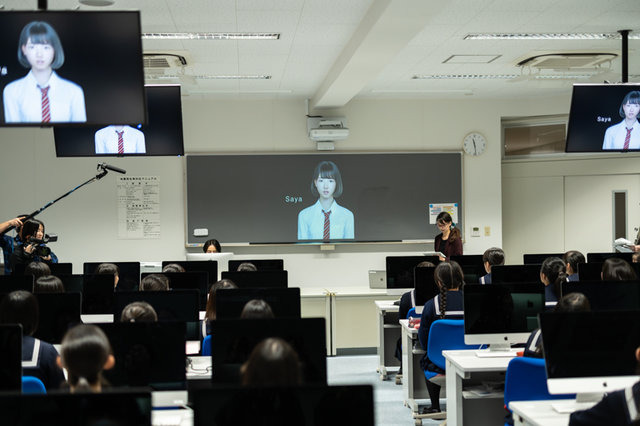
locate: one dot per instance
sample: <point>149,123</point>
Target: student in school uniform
<point>620,407</point>
<point>552,275</point>
<point>626,134</point>
<point>449,241</point>
<point>42,96</point>
<point>616,269</point>
<point>38,357</point>
<point>571,259</point>
<point>491,257</point>
<point>119,139</point>
<point>7,243</point>
<point>326,219</point>
<point>447,304</point>
<point>85,352</point>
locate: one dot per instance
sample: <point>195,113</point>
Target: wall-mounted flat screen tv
<point>162,135</point>
<point>71,67</point>
<point>604,118</point>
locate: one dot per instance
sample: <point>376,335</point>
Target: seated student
<point>273,362</point>
<point>552,274</point>
<point>571,259</point>
<point>616,408</point>
<point>84,353</point>
<point>154,282</point>
<point>38,357</point>
<point>48,284</point>
<point>212,246</point>
<point>138,312</point>
<point>247,266</point>
<point>615,269</point>
<point>173,267</point>
<point>109,269</point>
<point>572,302</point>
<point>210,313</point>
<point>37,269</point>
<point>448,304</point>
<point>256,309</point>
<point>491,257</point>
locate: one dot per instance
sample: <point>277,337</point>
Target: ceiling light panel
<point>470,59</point>
<point>210,36</point>
<point>548,36</point>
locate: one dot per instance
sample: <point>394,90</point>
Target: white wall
<point>86,222</point>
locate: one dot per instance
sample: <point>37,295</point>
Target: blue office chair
<point>206,346</point>
<point>412,313</point>
<point>526,380</point>
<point>32,384</point>
<point>445,335</point>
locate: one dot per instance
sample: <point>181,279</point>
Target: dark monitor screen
<point>591,271</point>
<point>538,258</point>
<point>601,257</point>
<point>468,259</point>
<point>9,283</point>
<point>502,308</point>
<point>607,295</point>
<point>189,281</point>
<point>284,302</point>
<point>515,273</point>
<point>173,305</point>
<point>129,274</point>
<point>426,287</point>
<point>590,345</point>
<point>10,357</point>
<point>162,135</point>
<point>599,116</point>
<point>121,408</point>
<point>260,264</point>
<point>96,58</point>
<point>61,268</point>
<point>234,340</point>
<point>310,405</point>
<point>400,269</point>
<point>208,266</point>
<point>258,279</point>
<point>58,313</point>
<point>147,354</point>
<point>97,291</point>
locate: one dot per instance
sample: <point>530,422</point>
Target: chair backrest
<point>32,384</point>
<point>526,380</point>
<point>445,335</point>
<point>411,313</point>
<point>206,346</point>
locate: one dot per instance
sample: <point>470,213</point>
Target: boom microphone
<point>113,168</point>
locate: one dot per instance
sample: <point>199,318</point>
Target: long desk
<point>388,335</point>
<point>465,369</point>
<point>413,381</point>
<point>541,413</point>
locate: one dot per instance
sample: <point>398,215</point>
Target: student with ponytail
<point>449,240</point>
<point>553,273</point>
<point>448,304</point>
<point>84,353</point>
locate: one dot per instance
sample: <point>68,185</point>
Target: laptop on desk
<point>377,279</point>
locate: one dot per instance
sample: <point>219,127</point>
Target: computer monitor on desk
<point>590,352</point>
<point>221,258</point>
<point>129,276</point>
<point>284,302</point>
<point>515,274</point>
<point>601,257</point>
<point>400,272</point>
<point>260,264</point>
<point>208,266</point>
<point>538,258</point>
<point>501,314</point>
<point>425,286</point>
<point>607,295</point>
<point>258,279</point>
<point>188,281</point>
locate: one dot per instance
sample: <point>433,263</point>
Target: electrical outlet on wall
<point>487,231</point>
<point>475,231</point>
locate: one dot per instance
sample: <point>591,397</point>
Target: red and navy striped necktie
<point>46,110</point>
<point>327,225</point>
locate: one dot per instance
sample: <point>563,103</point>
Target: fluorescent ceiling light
<point>465,77</point>
<point>210,77</point>
<point>210,36</point>
<point>549,36</point>
<point>434,91</point>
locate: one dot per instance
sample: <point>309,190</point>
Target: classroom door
<point>589,210</point>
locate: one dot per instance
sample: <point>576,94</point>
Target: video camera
<point>41,248</point>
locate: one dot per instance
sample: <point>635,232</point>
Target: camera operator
<point>7,243</point>
<point>32,247</point>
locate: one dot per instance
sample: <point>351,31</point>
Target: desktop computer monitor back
<point>284,302</point>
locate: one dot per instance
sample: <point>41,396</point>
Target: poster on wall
<point>138,207</point>
<point>437,208</point>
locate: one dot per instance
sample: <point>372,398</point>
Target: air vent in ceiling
<point>567,61</point>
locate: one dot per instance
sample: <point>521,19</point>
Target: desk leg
<point>454,395</point>
<point>381,346</point>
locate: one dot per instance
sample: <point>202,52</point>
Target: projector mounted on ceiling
<point>327,129</point>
